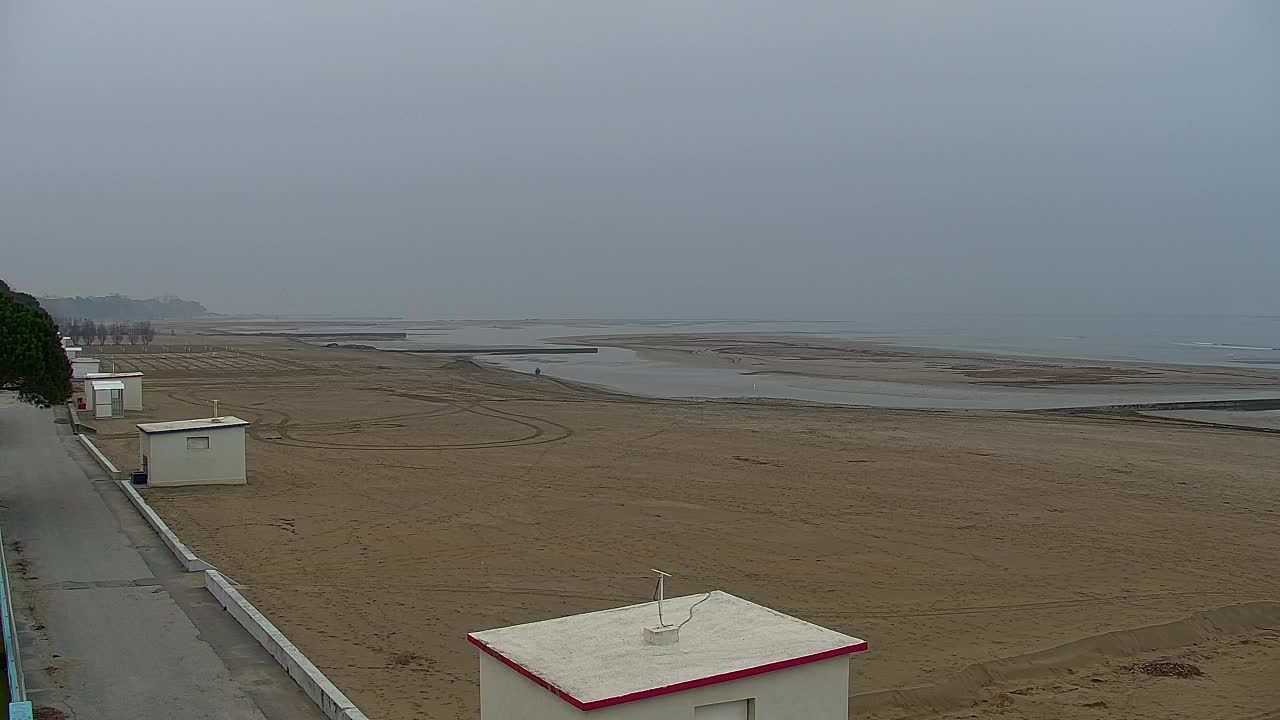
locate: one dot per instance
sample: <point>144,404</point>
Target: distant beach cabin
<point>72,352</point>
<point>729,659</point>
<point>209,451</point>
<point>82,366</point>
<point>106,398</point>
<point>132,388</point>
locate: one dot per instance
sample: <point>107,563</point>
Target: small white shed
<point>132,388</point>
<point>82,366</point>
<point>730,660</point>
<point>209,451</point>
<point>72,352</point>
<point>107,397</point>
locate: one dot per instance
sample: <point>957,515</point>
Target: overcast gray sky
<point>674,158</point>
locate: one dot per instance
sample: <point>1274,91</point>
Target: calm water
<point>1234,341</point>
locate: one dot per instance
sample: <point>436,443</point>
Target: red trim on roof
<point>666,689</point>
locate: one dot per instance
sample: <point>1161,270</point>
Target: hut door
<point>117,403</point>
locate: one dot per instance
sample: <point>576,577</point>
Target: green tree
<point>32,360</point>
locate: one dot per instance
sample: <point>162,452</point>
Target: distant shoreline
<point>798,363</point>
<point>475,350</point>
<point>835,371</point>
<point>836,358</point>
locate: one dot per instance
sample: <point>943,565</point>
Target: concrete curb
<point>324,693</point>
<point>332,702</point>
<point>187,558</point>
<point>180,551</point>
<point>75,417</point>
<point>98,456</point>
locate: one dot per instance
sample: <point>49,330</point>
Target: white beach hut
<point>132,388</point>
<point>82,366</point>
<point>730,659</point>
<point>107,397</point>
<point>72,352</point>
<point>208,451</point>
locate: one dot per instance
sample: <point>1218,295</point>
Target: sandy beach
<point>396,502</point>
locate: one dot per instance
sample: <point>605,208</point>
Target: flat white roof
<point>71,347</point>
<point>94,376</point>
<point>226,421</point>
<point>108,385</point>
<point>85,359</point>
<point>600,659</point>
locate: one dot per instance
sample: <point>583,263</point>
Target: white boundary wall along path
<point>325,694</point>
<point>184,555</point>
<point>101,459</point>
<point>322,692</point>
<point>187,558</point>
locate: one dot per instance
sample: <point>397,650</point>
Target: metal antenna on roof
<point>215,411</point>
<point>662,576</point>
<point>662,633</point>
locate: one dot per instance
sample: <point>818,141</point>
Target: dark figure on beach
<point>537,372</point>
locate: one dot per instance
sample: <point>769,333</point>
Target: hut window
<point>199,442</point>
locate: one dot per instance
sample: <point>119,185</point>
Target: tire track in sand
<point>539,430</point>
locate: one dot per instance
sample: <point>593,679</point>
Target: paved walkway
<point>111,627</point>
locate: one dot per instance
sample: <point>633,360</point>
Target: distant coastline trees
<point>32,360</point>
<point>121,308</point>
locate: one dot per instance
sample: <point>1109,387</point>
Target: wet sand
<point>866,373</point>
<point>396,502</point>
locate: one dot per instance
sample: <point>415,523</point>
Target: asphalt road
<point>110,625</point>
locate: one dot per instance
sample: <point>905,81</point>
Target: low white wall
<point>325,694</point>
<point>332,702</point>
<point>187,558</point>
<point>98,456</point>
<point>75,416</point>
<point>180,551</point>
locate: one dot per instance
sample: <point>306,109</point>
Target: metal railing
<point>19,706</point>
